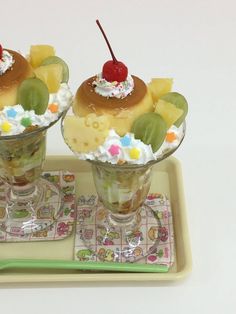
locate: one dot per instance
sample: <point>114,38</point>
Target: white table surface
<point>195,43</point>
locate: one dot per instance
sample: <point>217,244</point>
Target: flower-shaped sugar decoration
<point>134,153</point>
<point>6,127</point>
<point>114,150</point>
<point>11,113</point>
<point>53,108</point>
<point>171,137</point>
<point>26,122</point>
<point>125,140</point>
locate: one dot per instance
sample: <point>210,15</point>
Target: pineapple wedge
<point>51,75</point>
<point>40,52</point>
<point>169,112</point>
<point>159,87</point>
<point>85,134</point>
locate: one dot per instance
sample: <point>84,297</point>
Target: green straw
<point>94,266</point>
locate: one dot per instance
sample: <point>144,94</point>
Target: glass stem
<point>23,191</point>
<point>124,220</point>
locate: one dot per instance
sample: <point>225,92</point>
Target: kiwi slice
<point>150,128</point>
<point>180,102</point>
<point>56,60</point>
<point>33,95</point>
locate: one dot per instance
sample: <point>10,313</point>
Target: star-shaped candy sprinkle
<point>134,153</point>
<point>11,113</point>
<point>114,150</point>
<point>26,122</point>
<point>125,140</point>
<point>6,127</point>
<point>53,108</point>
<point>171,137</point>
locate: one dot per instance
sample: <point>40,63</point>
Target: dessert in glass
<point>34,93</point>
<point>123,127</point>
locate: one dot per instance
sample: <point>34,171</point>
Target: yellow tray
<point>167,179</point>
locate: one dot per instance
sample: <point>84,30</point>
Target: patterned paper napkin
<point>64,226</point>
<point>163,254</point>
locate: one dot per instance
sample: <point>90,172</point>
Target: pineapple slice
<point>159,87</point>
<point>40,52</point>
<point>169,112</point>
<point>85,134</point>
<point>51,75</point>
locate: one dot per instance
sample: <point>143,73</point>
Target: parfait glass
<point>121,212</point>
<point>122,191</point>
<point>28,202</point>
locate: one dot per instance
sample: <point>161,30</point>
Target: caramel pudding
<point>121,111</point>
<point>9,82</point>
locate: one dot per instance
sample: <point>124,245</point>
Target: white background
<point>195,43</point>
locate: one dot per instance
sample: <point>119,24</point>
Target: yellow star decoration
<point>6,127</point>
<point>134,153</point>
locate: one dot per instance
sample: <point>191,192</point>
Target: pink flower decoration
<point>114,150</point>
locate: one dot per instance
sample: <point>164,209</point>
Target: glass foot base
<point>121,243</point>
<point>20,215</point>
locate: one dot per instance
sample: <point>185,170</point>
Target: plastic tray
<point>167,179</point>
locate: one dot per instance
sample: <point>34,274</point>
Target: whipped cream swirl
<point>113,89</point>
<point>6,62</point>
<point>127,149</point>
<point>125,145</point>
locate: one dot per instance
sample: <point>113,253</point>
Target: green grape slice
<point>180,102</point>
<point>56,60</point>
<point>33,95</point>
<point>150,128</point>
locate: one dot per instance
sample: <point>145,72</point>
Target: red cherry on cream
<point>113,70</point>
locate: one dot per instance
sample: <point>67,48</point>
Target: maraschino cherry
<point>1,50</point>
<point>113,70</point>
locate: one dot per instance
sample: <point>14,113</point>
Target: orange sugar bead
<point>170,137</point>
<point>53,108</point>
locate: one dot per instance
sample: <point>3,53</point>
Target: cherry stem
<point>108,44</point>
<point>1,49</point>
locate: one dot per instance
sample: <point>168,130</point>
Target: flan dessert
<point>119,101</point>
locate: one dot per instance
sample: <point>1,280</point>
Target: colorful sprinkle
<point>53,108</point>
<point>134,153</point>
<point>26,122</point>
<point>11,113</point>
<point>114,150</point>
<point>125,140</point>
<point>6,127</point>
<point>170,137</point>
